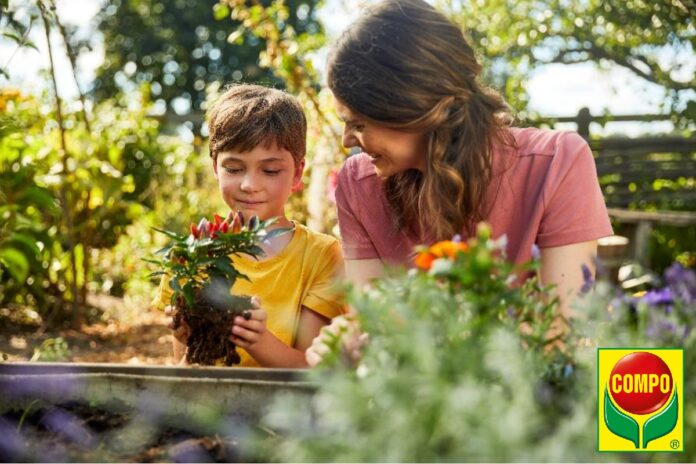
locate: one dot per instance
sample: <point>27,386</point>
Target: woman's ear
<point>297,177</point>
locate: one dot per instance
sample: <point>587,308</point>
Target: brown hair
<point>405,66</point>
<point>246,116</point>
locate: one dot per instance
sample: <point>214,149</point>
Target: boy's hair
<point>246,116</point>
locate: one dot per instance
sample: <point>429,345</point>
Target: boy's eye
<point>272,172</point>
<point>233,170</point>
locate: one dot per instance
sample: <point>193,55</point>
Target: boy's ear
<point>297,177</point>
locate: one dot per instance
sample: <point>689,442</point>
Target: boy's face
<point>258,182</point>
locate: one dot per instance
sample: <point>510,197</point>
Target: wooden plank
<point>646,144</point>
<point>675,218</point>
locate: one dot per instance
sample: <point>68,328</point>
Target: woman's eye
<point>359,128</point>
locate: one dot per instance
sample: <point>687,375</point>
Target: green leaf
<point>174,285</point>
<point>221,11</point>
<point>169,234</point>
<point>661,424</point>
<point>618,422</point>
<point>15,262</point>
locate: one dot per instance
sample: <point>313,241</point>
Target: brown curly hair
<point>247,115</point>
<point>405,66</point>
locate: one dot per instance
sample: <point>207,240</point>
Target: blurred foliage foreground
<point>457,366</point>
<point>448,362</point>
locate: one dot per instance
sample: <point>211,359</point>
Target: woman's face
<point>390,151</point>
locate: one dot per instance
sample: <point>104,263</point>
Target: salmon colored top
<point>544,192</point>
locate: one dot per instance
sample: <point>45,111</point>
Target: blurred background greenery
<point>84,177</point>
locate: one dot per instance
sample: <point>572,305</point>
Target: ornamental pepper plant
<point>200,273</point>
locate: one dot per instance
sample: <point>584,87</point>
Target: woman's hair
<point>246,116</point>
<point>405,66</point>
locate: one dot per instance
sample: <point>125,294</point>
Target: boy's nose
<point>249,183</point>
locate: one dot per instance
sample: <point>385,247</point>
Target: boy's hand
<point>247,333</point>
<point>182,332</point>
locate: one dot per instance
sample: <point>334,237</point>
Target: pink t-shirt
<point>545,193</point>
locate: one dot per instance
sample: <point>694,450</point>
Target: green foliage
<point>14,30</point>
<point>193,260</point>
<point>516,37</point>
<point>122,171</point>
<point>51,350</point>
<point>26,207</point>
<point>179,47</point>
<point>450,371</point>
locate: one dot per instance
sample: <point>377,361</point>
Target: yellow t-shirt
<point>302,274</point>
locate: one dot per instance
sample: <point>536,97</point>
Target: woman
<point>439,155</point>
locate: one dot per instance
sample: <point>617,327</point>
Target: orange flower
<point>424,260</point>
<point>448,248</point>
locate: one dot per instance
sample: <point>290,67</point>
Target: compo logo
<point>640,407</point>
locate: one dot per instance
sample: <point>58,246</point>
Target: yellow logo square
<point>640,399</point>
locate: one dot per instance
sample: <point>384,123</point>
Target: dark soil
<point>210,323</point>
<point>75,432</point>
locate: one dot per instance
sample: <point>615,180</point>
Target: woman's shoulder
<point>357,167</point>
<point>531,141</point>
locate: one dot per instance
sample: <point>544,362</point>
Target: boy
<point>257,144</point>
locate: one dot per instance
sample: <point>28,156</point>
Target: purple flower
<point>587,278</point>
<point>457,238</point>
<point>536,253</point>
<point>682,281</point>
<point>659,297</point>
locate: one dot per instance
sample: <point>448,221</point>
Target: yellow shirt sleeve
<point>325,296</point>
<point>164,294</point>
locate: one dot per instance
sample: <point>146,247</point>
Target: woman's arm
<point>562,266</point>
<point>360,272</point>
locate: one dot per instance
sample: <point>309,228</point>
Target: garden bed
<point>93,412</point>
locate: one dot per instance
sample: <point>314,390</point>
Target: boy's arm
<point>267,349</point>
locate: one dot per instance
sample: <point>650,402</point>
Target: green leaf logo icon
<point>661,424</point>
<point>618,422</point>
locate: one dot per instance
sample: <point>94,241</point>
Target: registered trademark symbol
<point>674,444</point>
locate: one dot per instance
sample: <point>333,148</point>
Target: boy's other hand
<point>247,333</point>
<point>182,332</point>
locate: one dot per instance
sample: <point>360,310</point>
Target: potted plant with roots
<point>200,273</point>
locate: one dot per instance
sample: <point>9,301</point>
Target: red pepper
<point>236,224</point>
<point>217,219</point>
<point>224,227</point>
<point>194,231</point>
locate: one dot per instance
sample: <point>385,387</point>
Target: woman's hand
<point>248,333</point>
<point>343,332</point>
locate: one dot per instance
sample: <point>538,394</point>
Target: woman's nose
<point>349,139</point>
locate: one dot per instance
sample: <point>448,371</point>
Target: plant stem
<point>64,194</point>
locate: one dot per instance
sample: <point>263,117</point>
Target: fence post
<point>583,120</point>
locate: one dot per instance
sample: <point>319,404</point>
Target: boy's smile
<point>258,182</point>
